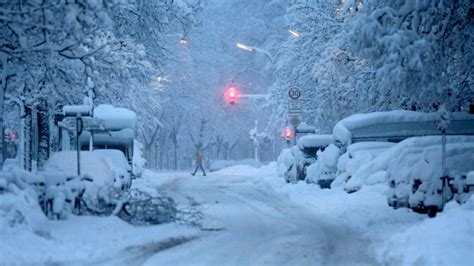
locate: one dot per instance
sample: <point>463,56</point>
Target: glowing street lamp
<point>251,49</point>
<point>294,33</point>
<point>183,41</point>
<point>244,47</point>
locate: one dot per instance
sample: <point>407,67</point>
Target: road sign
<point>294,93</point>
<point>295,121</point>
<point>294,108</point>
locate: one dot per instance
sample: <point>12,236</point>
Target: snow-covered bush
<point>324,170</point>
<point>19,197</point>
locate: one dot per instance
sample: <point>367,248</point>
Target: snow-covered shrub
<point>323,171</point>
<point>19,201</point>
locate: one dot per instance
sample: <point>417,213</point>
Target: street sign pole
<point>294,109</point>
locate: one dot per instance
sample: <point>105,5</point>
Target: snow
<point>446,240</point>
<point>92,164</point>
<point>115,118</point>
<point>305,128</point>
<point>313,141</point>
<point>358,154</point>
<point>397,125</point>
<point>120,137</point>
<point>325,166</point>
<point>285,160</point>
<point>117,161</point>
<point>253,217</point>
<point>470,178</point>
<point>401,164</point>
<point>72,110</point>
<point>221,164</point>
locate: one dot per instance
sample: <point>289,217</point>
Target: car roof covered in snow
<point>314,141</point>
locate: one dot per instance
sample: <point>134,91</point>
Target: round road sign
<point>294,93</point>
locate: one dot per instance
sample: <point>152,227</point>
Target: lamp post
<point>256,49</point>
<point>267,54</point>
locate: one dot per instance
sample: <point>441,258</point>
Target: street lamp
<point>294,33</point>
<point>244,47</point>
<point>183,41</point>
<point>251,49</point>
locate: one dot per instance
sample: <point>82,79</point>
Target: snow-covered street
<point>252,217</point>
<point>252,226</point>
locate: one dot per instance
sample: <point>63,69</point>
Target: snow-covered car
<point>119,164</point>
<point>413,170</point>
<point>323,171</point>
<point>396,126</point>
<point>304,154</point>
<point>357,155</point>
<point>286,161</point>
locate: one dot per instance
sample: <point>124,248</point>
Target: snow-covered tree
<point>421,51</point>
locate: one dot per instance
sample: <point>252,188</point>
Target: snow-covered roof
<point>115,118</point>
<point>397,125</point>
<point>313,141</point>
<point>72,110</point>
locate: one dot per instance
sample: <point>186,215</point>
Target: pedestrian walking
<point>198,158</point>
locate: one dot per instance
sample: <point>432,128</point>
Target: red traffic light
<point>288,133</point>
<point>231,95</point>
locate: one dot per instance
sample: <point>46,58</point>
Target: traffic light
<point>288,134</point>
<point>231,95</point>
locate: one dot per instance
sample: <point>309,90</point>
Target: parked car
<point>304,154</point>
<point>356,156</point>
<point>416,178</point>
<point>119,164</point>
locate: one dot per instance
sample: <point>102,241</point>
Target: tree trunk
<point>27,150</point>
<point>2,103</point>
<point>43,136</point>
